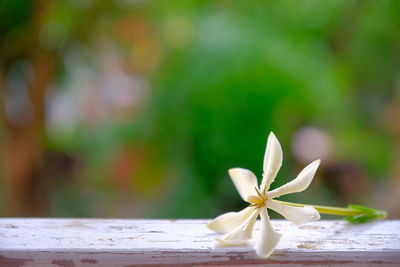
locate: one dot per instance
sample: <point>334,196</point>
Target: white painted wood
<point>119,242</point>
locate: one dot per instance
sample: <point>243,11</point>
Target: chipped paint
<point>13,262</point>
<point>89,261</point>
<point>63,263</point>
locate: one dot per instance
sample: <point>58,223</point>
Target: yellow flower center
<point>257,201</point>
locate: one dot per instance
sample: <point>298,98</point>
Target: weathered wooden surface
<point>117,242</point>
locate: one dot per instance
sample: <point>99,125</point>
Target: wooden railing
<point>120,242</point>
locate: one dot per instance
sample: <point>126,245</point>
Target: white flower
<point>237,227</point>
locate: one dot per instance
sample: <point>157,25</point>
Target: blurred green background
<point>138,108</point>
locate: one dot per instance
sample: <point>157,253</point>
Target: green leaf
<point>364,214</point>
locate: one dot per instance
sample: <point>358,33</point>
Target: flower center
<point>257,201</point>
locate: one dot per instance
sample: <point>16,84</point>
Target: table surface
<point>127,242</point>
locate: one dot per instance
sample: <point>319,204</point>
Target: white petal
<point>268,238</point>
<point>297,215</point>
<point>229,221</point>
<point>301,182</point>
<point>245,181</point>
<point>272,161</point>
<point>242,233</point>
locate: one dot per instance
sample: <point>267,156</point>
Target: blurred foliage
<point>219,75</point>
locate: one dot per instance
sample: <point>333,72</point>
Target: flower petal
<point>228,221</point>
<point>272,161</point>
<point>301,182</point>
<point>297,215</point>
<point>242,233</point>
<point>245,181</point>
<point>268,238</point>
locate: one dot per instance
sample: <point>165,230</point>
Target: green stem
<point>353,213</point>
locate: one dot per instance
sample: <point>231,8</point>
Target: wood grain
<point>119,242</point>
